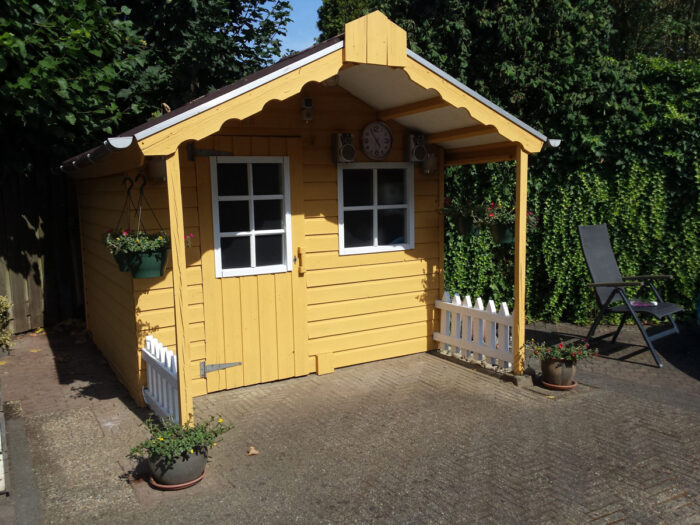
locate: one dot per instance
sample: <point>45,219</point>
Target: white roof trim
<point>119,142</point>
<point>474,94</point>
<point>236,92</point>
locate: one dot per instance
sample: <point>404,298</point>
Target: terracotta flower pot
<point>558,372</point>
<point>148,264</point>
<point>180,472</point>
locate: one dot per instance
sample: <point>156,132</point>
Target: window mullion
<point>251,216</point>
<point>375,203</point>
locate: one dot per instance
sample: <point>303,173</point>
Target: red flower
<point>490,214</point>
<point>561,345</point>
<point>596,354</point>
<point>493,204</point>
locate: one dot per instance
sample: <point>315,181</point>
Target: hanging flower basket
<point>146,265</point>
<point>123,261</point>
<point>502,233</point>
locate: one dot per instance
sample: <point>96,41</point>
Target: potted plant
<point>144,254</point>
<point>558,362</point>
<point>5,332</point>
<point>177,454</point>
<point>461,216</point>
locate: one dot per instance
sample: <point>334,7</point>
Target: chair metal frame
<point>660,311</point>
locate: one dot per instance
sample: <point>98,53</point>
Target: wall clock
<point>376,140</point>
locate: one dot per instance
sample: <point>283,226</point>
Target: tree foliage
<point>629,124</point>
<point>73,72</point>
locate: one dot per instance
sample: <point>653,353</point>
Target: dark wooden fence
<point>39,248</point>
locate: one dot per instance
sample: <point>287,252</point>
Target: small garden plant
<point>170,440</point>
<point>5,332</point>
<point>571,351</point>
<point>129,241</point>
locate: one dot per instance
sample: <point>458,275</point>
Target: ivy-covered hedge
<point>637,168</point>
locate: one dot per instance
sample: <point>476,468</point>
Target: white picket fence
<point>475,333</point>
<point>161,391</point>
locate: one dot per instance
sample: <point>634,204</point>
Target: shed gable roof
<point>370,61</point>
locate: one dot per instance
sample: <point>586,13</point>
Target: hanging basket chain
<point>143,199</point>
<point>129,182</point>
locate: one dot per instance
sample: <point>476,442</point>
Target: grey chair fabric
<point>611,288</point>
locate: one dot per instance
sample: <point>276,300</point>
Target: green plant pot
<point>558,372</point>
<point>181,471</point>
<point>123,261</point>
<point>502,233</point>
<point>148,264</point>
<point>466,226</point>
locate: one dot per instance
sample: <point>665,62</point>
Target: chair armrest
<point>647,277</point>
<point>616,285</point>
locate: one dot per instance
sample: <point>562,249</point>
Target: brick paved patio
<point>409,440</point>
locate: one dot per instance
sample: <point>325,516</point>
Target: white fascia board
<point>236,92</point>
<point>474,94</point>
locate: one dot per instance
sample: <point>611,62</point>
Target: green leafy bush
<point>5,332</point>
<point>170,440</point>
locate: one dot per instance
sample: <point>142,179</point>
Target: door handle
<point>301,254</point>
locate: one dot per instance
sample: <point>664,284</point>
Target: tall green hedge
<point>641,177</point>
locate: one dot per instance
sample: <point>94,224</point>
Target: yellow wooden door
<point>258,320</point>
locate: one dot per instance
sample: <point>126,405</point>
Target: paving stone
<point>408,440</point>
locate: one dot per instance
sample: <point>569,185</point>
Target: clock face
<point>376,140</point>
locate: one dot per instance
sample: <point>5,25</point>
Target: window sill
<point>359,250</point>
<point>260,270</point>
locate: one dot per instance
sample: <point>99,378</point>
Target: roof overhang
<point>372,63</point>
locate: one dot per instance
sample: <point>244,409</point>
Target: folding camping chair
<point>610,288</point>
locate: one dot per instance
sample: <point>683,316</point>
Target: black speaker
<point>415,149</point>
<point>343,148</point>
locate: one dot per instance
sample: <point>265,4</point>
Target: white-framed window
<point>251,213</point>
<point>375,207</point>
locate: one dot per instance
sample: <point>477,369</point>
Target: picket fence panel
<point>161,392</point>
<point>474,332</point>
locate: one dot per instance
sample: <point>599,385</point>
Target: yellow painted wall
<point>109,303</point>
<point>358,308</point>
<point>344,310</point>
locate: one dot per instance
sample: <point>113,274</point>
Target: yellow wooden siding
<point>109,306</point>
<point>354,303</point>
<point>246,319</point>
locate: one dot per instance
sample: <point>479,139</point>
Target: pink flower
<point>490,214</point>
<point>191,235</point>
<point>126,233</point>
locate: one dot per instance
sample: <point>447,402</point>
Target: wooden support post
<point>520,244</point>
<point>177,249</point>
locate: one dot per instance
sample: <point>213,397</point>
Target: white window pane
<point>235,252</point>
<point>358,228</point>
<point>268,215</point>
<point>392,227</point>
<point>268,250</point>
<point>391,187</point>
<point>357,187</point>
<point>233,216</point>
<point>232,179</point>
<point>267,179</point>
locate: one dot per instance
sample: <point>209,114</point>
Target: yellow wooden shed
<point>313,191</point>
